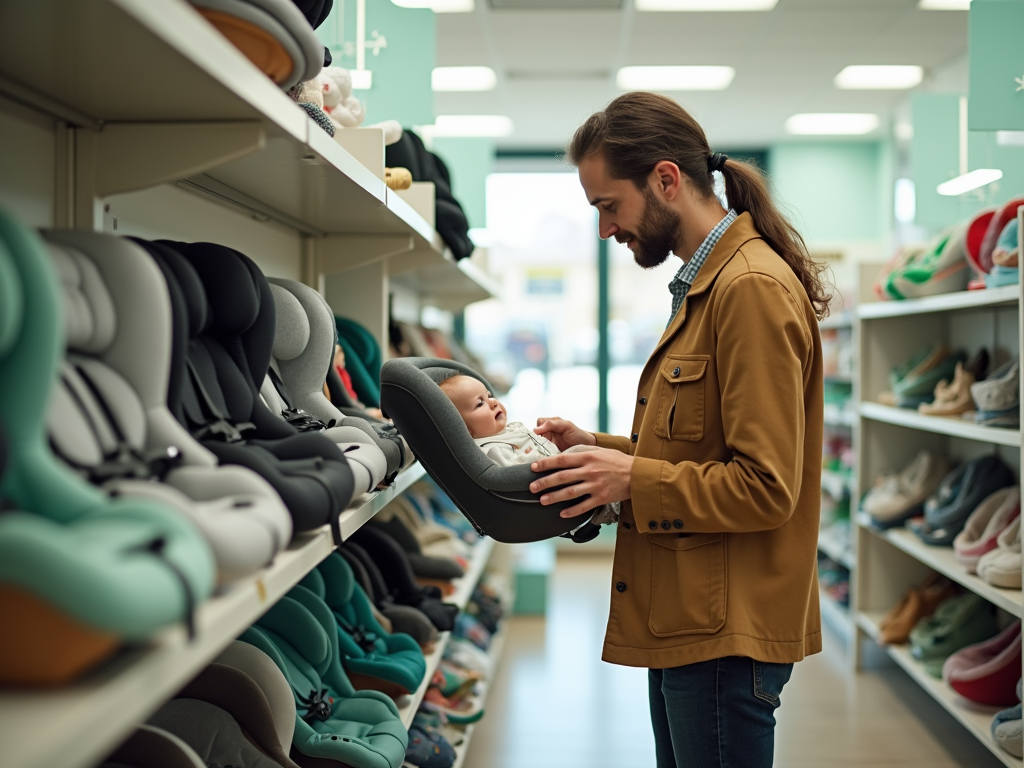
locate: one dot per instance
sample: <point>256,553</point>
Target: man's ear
<point>667,178</point>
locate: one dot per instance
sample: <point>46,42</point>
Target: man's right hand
<point>563,433</point>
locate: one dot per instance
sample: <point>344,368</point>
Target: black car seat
<point>230,332</point>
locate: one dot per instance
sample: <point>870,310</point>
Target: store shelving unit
<point>888,562</point>
<point>161,128</point>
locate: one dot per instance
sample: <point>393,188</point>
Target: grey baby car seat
<point>495,499</point>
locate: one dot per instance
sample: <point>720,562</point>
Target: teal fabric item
<point>117,565</point>
<point>1000,276</point>
<point>958,622</point>
<point>333,720</point>
<point>393,657</point>
<point>923,385</point>
<point>362,359</point>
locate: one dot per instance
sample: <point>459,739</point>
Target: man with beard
<point>715,576</point>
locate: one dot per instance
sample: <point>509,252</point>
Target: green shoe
<point>958,622</point>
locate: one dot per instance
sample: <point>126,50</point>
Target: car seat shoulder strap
<point>218,426</point>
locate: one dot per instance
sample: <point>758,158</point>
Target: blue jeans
<point>716,714</point>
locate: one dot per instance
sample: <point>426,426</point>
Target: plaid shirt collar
<point>684,278</point>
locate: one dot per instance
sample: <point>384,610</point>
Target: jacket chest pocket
<point>688,584</point>
<point>681,403</point>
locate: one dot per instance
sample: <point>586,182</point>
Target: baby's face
<point>483,414</point>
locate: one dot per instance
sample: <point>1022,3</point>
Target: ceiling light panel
<point>712,6</point>
<point>473,125</point>
<point>969,181</point>
<point>831,124</point>
<point>879,77</point>
<point>697,78</point>
<point>463,79</point>
<point>438,6</point>
<point>944,5</point>
<point>556,5</point>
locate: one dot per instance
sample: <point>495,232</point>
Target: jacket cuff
<point>615,442</point>
<point>645,484</point>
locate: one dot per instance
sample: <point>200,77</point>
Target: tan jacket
<point>716,551</point>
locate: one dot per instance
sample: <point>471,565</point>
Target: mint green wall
<point>470,161</point>
<point>401,72</point>
<point>834,191</point>
<point>935,158</point>
<point>997,103</point>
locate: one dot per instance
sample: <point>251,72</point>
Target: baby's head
<point>483,414</point>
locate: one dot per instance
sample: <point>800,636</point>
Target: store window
<point>541,335</point>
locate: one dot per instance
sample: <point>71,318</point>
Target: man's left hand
<point>603,475</point>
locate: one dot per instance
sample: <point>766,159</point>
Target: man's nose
<point>606,228</point>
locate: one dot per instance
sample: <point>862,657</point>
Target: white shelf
<point>449,285</point>
<point>832,547</point>
<point>76,726</point>
<point>1007,295</point>
<point>943,425</point>
<point>835,615</point>
<point>463,591</point>
<point>941,559</point>
<point>975,718</point>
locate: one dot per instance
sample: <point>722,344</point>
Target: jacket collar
<point>740,232</point>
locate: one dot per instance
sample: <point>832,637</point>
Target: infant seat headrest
<point>292,324</point>
<point>496,499</point>
<point>232,295</point>
<point>89,319</point>
<point>188,281</point>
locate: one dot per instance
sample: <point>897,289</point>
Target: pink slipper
<point>987,673</point>
<point>981,533</point>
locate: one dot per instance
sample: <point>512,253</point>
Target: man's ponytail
<point>638,130</point>
<point>747,192</point>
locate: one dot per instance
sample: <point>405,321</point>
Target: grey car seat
<point>496,500</point>
<point>108,417</point>
<point>303,372</point>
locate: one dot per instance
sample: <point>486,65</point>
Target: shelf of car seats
<point>463,591</point>
<point>272,161</point>
<point>77,725</point>
<point>1007,295</point>
<point>941,559</point>
<point>943,425</point>
<point>975,717</point>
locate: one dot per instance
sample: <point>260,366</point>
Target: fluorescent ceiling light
<point>969,181</point>
<point>944,5</point>
<point>705,5</point>
<point>463,79</point>
<point>831,123</point>
<point>438,6</point>
<point>879,77</point>
<point>1010,138</point>
<point>905,201</point>
<point>472,125</point>
<point>362,79</point>
<point>674,78</point>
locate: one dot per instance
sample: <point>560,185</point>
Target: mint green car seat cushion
<point>123,566</point>
<point>333,720</point>
<point>366,647</point>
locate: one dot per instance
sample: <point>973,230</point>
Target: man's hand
<point>563,433</point>
<point>603,475</point>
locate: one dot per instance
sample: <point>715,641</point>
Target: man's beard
<point>658,232</point>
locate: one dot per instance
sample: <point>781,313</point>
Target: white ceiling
<point>555,67</point>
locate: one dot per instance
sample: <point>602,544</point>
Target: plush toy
<point>310,97</point>
<point>397,178</point>
<point>344,108</point>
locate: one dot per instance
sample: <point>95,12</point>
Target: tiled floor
<point>555,704</point>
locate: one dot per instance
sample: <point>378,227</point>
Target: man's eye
<point>609,208</point>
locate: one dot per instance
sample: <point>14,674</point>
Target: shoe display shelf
<point>887,438</point>
<point>77,725</point>
<point>836,615</point>
<point>463,590</point>
<point>836,548</point>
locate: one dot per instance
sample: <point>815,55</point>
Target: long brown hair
<point>638,130</point>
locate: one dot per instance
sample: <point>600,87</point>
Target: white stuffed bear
<point>345,110</point>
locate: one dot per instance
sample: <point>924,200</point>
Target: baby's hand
<point>563,433</point>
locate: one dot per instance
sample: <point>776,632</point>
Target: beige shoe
<point>1001,567</point>
<point>951,398</point>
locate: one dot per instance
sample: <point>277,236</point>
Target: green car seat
<point>80,573</point>
<point>362,359</point>
<point>372,657</point>
<point>333,721</point>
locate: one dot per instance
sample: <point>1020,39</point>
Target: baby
<point>504,442</point>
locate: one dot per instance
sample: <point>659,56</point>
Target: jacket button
<point>652,525</point>
<point>634,437</point>
<point>666,524</point>
<point>675,371</point>
<point>677,523</point>
<point>643,401</point>
<point>621,586</point>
